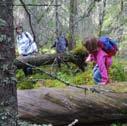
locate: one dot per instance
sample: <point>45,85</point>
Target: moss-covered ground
<point>118,75</point>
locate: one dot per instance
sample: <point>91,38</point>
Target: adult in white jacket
<point>25,43</point>
<point>26,46</point>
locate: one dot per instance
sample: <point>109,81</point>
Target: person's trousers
<point>27,70</point>
<point>96,74</point>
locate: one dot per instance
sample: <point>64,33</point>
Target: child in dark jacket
<point>102,60</point>
<point>61,44</point>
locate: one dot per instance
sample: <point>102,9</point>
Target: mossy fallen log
<point>62,106</point>
<point>44,59</point>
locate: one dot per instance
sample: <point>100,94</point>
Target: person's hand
<point>88,59</point>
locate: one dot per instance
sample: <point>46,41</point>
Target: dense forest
<point>77,19</point>
<point>48,88</point>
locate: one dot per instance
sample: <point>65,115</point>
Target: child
<point>61,44</point>
<point>102,60</point>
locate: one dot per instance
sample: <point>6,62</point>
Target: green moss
<point>39,79</point>
<point>25,85</point>
<point>79,49</point>
<point>53,83</point>
<point>118,124</point>
<point>19,75</point>
<point>83,78</point>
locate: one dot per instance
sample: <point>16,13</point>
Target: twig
<point>74,122</point>
<point>29,16</point>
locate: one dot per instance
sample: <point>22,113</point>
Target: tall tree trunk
<point>121,5</point>
<point>101,16</point>
<point>57,19</point>
<point>8,94</point>
<point>72,26</point>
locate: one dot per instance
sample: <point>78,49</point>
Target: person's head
<point>91,44</point>
<point>19,29</point>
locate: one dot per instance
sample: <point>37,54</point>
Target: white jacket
<point>25,44</point>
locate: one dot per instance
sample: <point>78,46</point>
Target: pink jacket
<point>104,61</point>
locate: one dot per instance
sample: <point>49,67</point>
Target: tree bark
<point>102,10</point>
<point>72,24</point>
<point>62,106</point>
<point>57,20</point>
<point>38,60</point>
<point>8,94</point>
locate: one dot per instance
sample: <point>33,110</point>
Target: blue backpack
<point>108,45</point>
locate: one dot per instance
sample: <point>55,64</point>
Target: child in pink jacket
<point>101,58</point>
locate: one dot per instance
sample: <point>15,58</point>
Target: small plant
<point>26,85</point>
<point>53,83</point>
<point>118,124</point>
<point>117,72</point>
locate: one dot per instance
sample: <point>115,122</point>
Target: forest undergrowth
<point>72,75</point>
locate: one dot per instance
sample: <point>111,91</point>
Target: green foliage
<point>79,49</point>
<point>118,124</point>
<point>84,77</point>
<point>47,51</point>
<point>25,85</point>
<point>19,75</point>
<point>53,83</point>
<point>113,18</point>
<point>39,79</point>
<point>80,52</point>
<point>117,71</point>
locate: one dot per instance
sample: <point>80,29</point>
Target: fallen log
<point>44,59</point>
<point>60,107</point>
